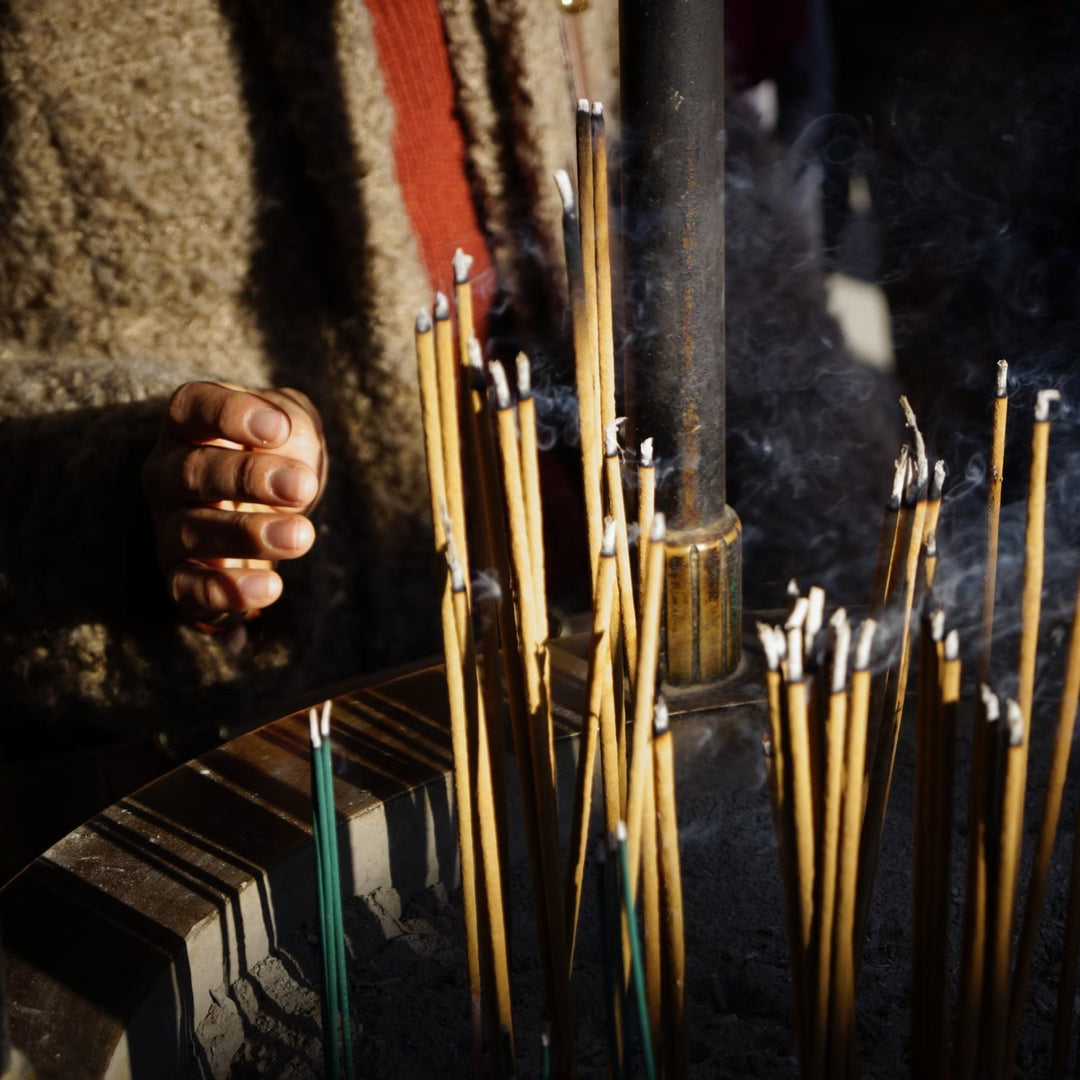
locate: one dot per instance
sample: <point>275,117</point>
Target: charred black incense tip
<point>937,480</point>
<point>1002,388</point>
<point>566,191</point>
<point>1014,721</point>
<point>840,629</point>
<point>611,437</point>
<point>524,377</point>
<point>952,645</point>
<point>607,545</point>
<point>1042,404</point>
<point>462,264</point>
<point>646,454</point>
<point>864,643</point>
<point>661,717</point>
<point>423,322</point>
<point>990,702</point>
<point>502,385</point>
<point>442,307</point>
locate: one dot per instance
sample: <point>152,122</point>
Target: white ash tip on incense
<point>462,264</point>
<point>900,473</point>
<point>566,191</point>
<point>502,384</point>
<point>661,717</point>
<point>952,645</point>
<point>922,466</point>
<point>1014,720</point>
<point>797,619</point>
<point>1002,388</point>
<point>930,547</point>
<point>524,377</point>
<point>607,545</point>
<point>795,654</point>
<point>598,108</point>
<point>937,624</point>
<point>621,833</point>
<point>423,322</point>
<point>313,725</point>
<point>864,643</point>
<point>442,306</point>
<point>793,590</point>
<point>476,357</point>
<point>768,646</point>
<point>780,641</point>
<point>815,612</point>
<point>583,105</point>
<point>457,577</point>
<point>324,719</point>
<point>611,437</point>
<point>545,1038</point>
<point>991,704</point>
<point>1042,403</point>
<point>937,484</point>
<point>841,648</point>
<point>647,453</point>
<point>659,528</point>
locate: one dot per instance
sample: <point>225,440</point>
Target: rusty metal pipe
<point>672,74</point>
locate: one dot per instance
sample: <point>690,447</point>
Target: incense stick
<point>616,507</point>
<point>1044,849</point>
<point>646,508</point>
<point>530,484</point>
<point>604,328</point>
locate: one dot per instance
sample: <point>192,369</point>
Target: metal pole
<point>672,74</point>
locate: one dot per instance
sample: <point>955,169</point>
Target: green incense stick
<point>635,953</point>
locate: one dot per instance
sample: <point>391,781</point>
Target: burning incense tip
<point>442,306</point>
<point>524,377</point>
<point>990,702</point>
<point>566,192</point>
<point>324,720</point>
<point>611,437</point>
<point>659,529</point>
<point>930,547</point>
<point>1014,720</point>
<point>583,105</point>
<point>937,483</point>
<point>815,614</point>
<point>621,834</point>
<point>769,646</point>
<point>842,644</point>
<point>1002,379</point>
<point>502,385</point>
<point>647,453</point>
<point>313,724</point>
<point>1042,403</point>
<point>922,467</point>
<point>864,643</point>
<point>797,619</point>
<point>952,645</point>
<point>795,654</point>
<point>423,322</point>
<point>661,717</point>
<point>937,624</point>
<point>597,108</point>
<point>462,264</point>
<point>793,590</point>
<point>900,475</point>
<point>476,357</point>
<point>607,545</point>
<point>457,578</point>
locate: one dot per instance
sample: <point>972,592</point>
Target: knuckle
<point>180,402</point>
<point>192,470</point>
<point>250,477</point>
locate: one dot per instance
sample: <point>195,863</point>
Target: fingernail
<point>288,534</point>
<point>267,425</point>
<point>293,485</point>
<point>259,587</point>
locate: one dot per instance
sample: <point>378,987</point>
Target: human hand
<point>229,483</point>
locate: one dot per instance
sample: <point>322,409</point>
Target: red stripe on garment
<point>429,144</point>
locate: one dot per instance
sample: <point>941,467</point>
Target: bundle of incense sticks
<point>481,447</point>
<point>830,752</point>
<point>336,1026</point>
